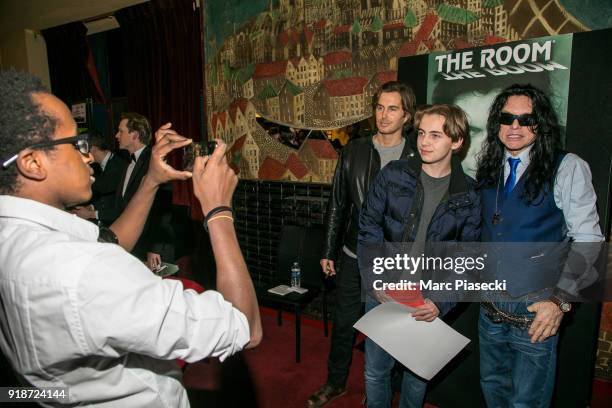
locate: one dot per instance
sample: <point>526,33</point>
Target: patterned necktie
<point>511,180</point>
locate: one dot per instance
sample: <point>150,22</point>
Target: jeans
<point>378,366</point>
<point>347,310</point>
<point>513,371</point>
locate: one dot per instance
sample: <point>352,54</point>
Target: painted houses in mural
<point>316,63</point>
<point>254,154</point>
<point>342,98</point>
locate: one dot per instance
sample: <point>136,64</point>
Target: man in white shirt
<point>86,315</point>
<point>134,135</point>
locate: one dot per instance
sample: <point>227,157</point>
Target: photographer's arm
<point>213,184</point>
<point>130,223</point>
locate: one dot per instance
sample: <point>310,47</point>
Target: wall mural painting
<point>315,64</point>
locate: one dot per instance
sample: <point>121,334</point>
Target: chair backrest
<point>304,245</point>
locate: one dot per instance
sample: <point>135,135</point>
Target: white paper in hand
<point>423,347</point>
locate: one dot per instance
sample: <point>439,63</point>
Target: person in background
<point>110,168</point>
<point>134,135</point>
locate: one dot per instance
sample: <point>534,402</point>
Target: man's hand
<point>85,212</point>
<point>153,261</point>
<point>166,140</point>
<point>214,180</point>
<point>546,322</point>
<point>328,267</point>
<point>427,312</point>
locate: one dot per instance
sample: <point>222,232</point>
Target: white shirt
<point>105,160</point>
<point>573,192</point>
<point>91,317</point>
<point>130,169</point>
<point>103,164</point>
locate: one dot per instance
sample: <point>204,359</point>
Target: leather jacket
<point>358,165</point>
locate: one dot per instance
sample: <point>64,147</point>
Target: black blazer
<point>140,169</point>
<point>105,189</point>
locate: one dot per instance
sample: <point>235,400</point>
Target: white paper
<point>423,347</point>
<point>166,269</point>
<point>281,290</point>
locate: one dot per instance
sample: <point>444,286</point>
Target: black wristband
<point>106,235</point>
<point>215,211</point>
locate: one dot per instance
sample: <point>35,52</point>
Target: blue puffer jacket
<point>392,208</point>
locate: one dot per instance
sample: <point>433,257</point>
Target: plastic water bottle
<point>296,275</point>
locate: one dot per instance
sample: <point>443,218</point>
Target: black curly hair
<point>22,121</point>
<point>540,174</point>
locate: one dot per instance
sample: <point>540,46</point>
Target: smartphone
<point>197,149</point>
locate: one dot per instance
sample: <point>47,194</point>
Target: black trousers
<point>347,310</point>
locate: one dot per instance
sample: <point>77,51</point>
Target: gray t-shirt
<point>434,190</point>
<point>388,154</point>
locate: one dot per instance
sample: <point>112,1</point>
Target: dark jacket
<point>393,206</point>
<point>357,166</point>
<point>140,169</point>
<point>105,189</point>
<point>145,242</point>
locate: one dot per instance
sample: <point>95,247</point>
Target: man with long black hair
<point>532,192</point>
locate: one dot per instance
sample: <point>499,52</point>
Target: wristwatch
<point>563,304</point>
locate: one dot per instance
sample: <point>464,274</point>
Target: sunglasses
<point>80,142</point>
<point>526,119</point>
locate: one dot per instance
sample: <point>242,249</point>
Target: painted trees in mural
<point>315,64</point>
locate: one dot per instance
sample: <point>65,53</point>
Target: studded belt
<point>499,316</point>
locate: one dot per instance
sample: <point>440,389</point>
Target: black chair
<point>302,245</point>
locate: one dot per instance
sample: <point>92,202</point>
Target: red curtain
<point>73,74</point>
<point>162,57</point>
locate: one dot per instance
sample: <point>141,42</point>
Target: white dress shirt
<point>105,160</point>
<point>103,164</point>
<point>91,317</point>
<point>573,193</point>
